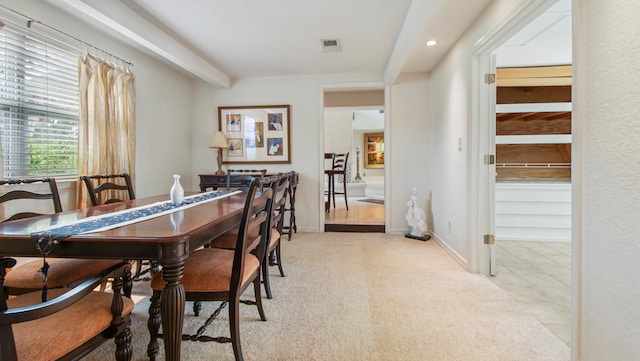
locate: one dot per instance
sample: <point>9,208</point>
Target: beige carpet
<point>371,296</point>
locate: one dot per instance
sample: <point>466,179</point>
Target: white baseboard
<point>463,262</point>
<point>309,230</point>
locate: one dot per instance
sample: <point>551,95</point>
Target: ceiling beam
<point>418,16</point>
<point>140,32</point>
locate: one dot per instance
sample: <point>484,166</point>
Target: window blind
<point>38,105</point>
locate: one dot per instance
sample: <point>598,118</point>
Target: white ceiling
<point>545,41</point>
<point>219,40</point>
<point>251,38</point>
<point>225,39</point>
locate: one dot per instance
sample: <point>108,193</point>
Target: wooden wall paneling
<point>557,71</point>
<point>550,84</point>
<point>531,94</point>
<point>530,153</point>
<point>528,174</point>
<point>534,76</point>
<point>533,161</point>
<point>534,82</point>
<point>565,152</point>
<point>533,123</point>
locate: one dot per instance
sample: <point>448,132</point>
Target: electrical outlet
<point>449,226</point>
<point>460,144</point>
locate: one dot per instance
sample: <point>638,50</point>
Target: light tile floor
<point>538,276</point>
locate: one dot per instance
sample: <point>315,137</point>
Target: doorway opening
<point>361,207</point>
<point>353,177</point>
<point>530,185</point>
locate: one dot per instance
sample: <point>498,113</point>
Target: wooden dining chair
<point>71,324</point>
<point>215,274</point>
<point>108,188</point>
<point>279,185</point>
<point>16,190</point>
<point>25,198</point>
<point>231,181</point>
<point>291,227</point>
<point>273,256</point>
<point>113,188</point>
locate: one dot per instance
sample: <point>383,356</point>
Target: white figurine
<point>415,216</point>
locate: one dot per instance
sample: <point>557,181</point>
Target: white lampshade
<point>219,140</point>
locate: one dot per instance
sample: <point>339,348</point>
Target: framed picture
<point>256,133</point>
<point>236,147</point>
<point>374,150</point>
<point>232,122</point>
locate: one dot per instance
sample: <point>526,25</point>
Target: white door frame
<point>481,194</point>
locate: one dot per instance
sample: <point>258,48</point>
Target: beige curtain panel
<point>106,139</point>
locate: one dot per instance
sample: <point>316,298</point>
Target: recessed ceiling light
<point>431,43</point>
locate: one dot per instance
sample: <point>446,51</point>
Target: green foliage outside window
<point>59,158</point>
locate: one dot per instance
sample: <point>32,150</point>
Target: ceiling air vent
<point>330,45</point>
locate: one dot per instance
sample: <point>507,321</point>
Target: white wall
<point>338,133</point>
<point>367,174</point>
<point>338,138</point>
<point>450,115</point>
<point>368,121</point>
<point>407,148</point>
<point>607,202</point>
<point>344,131</point>
<point>303,94</point>
<point>163,105</point>
<point>163,128</point>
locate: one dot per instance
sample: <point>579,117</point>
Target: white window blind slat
<point>38,105</point>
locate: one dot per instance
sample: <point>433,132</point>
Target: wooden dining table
<point>167,238</point>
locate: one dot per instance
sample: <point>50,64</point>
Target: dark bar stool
<point>329,173</point>
<point>339,169</point>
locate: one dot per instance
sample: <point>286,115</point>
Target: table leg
<point>172,309</point>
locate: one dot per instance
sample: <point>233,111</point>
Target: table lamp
<point>219,141</point>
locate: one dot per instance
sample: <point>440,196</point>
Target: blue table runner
<point>46,239</point>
